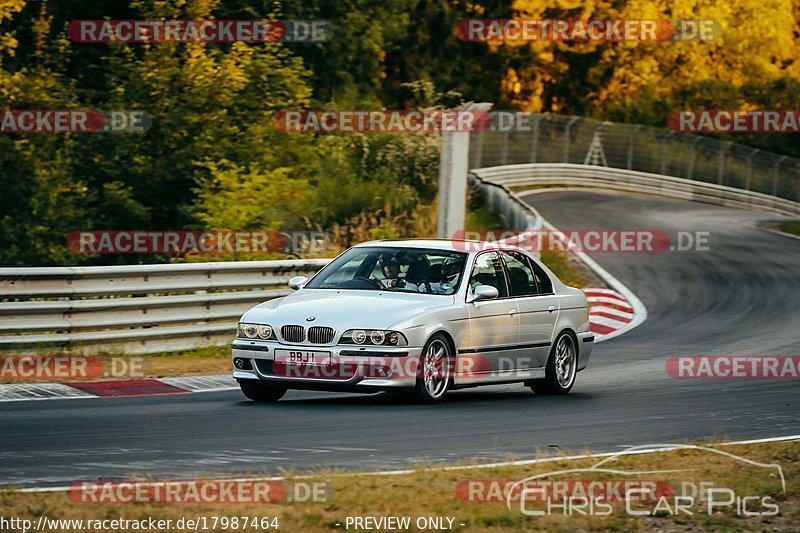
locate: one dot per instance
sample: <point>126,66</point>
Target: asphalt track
<point>741,297</point>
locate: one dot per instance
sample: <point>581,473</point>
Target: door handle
<point>551,309</point>
<point>512,312</point>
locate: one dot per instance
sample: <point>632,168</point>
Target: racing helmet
<point>451,268</point>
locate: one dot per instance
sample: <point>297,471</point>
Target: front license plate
<point>302,357</point>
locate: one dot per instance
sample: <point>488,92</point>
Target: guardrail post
<point>535,142</point>
<point>721,170</point>
<point>776,175</point>
<point>477,160</point>
<point>504,149</point>
<point>690,167</point>
<point>750,169</point>
<point>567,139</point>
<point>631,143</point>
<point>664,152</point>
<point>797,171</point>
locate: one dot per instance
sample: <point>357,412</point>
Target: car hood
<point>345,309</point>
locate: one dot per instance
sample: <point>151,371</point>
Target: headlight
<point>373,337</point>
<point>377,337</point>
<point>255,331</point>
<point>265,332</point>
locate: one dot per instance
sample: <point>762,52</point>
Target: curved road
<point>741,297</point>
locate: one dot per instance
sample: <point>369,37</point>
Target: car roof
<point>450,245</point>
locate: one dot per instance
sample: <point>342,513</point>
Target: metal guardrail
<point>569,175</point>
<point>548,138</point>
<point>136,309</point>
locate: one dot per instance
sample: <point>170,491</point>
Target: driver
<point>393,275</point>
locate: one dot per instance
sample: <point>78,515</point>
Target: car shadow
<point>467,397</point>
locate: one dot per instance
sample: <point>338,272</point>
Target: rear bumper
<point>350,368</point>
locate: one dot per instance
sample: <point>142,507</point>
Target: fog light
<point>384,371</point>
<point>242,364</point>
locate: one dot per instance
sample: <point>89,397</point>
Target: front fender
<point>418,329</point>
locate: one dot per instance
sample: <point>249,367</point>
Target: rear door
<point>538,308</point>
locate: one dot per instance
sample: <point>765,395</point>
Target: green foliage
<point>210,105</point>
<point>367,172</point>
<point>234,197</point>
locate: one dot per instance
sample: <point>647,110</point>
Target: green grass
<point>792,227</point>
<point>483,218</point>
<point>566,267</point>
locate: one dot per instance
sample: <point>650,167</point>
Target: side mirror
<point>298,282</point>
<point>484,292</point>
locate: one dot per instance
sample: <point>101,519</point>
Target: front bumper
<point>350,368</point>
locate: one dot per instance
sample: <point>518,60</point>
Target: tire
<point>435,372</point>
<point>562,366</point>
<point>262,393</point>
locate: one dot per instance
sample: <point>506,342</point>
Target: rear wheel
<point>562,366</point>
<point>262,393</point>
<point>434,374</point>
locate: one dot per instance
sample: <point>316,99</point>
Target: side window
<point>542,279</point>
<point>488,270</point>
<point>521,279</point>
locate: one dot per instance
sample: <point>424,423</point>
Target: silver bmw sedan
<point>421,317</point>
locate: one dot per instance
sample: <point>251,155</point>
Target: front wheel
<point>434,374</point>
<point>262,393</point>
<point>562,366</point>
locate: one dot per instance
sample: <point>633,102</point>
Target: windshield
<point>414,270</point>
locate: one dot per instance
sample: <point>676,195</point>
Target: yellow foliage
<point>760,42</point>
